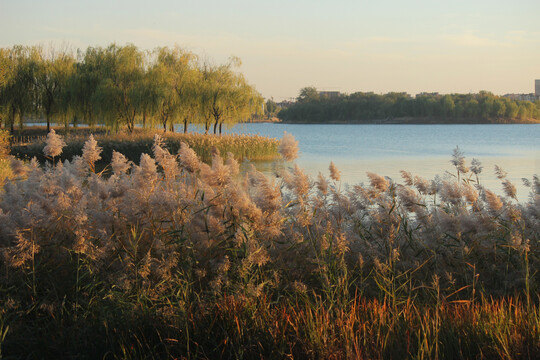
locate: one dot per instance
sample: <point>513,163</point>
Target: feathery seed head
<point>458,159</point>
<point>54,144</point>
<point>407,176</point>
<point>501,174</point>
<point>188,158</point>
<point>493,200</point>
<point>378,182</point>
<point>232,164</point>
<point>322,184</point>
<point>120,163</point>
<point>91,152</point>
<point>288,148</point>
<point>509,189</point>
<point>476,166</point>
<point>335,174</point>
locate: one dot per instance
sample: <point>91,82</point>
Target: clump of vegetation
<point>5,168</point>
<point>252,147</point>
<point>174,258</point>
<point>4,144</point>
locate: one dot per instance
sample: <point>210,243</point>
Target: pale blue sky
<point>381,46</point>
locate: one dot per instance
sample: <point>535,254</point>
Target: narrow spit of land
<point>30,141</point>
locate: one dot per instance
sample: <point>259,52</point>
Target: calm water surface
<point>424,150</point>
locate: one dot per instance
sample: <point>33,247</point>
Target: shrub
<point>4,144</point>
<point>5,168</point>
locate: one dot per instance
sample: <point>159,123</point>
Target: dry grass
<point>176,258</point>
<point>252,147</point>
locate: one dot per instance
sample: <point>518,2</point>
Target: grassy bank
<point>250,147</point>
<point>176,258</point>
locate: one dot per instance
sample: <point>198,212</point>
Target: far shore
<point>38,128</point>
<point>420,121</point>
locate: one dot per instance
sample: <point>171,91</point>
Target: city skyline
<point>346,46</point>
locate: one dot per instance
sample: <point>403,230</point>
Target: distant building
<point>537,88</point>
<point>329,94</point>
<point>522,97</point>
<point>285,104</point>
<point>427,94</point>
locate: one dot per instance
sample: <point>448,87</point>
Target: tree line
<point>121,86</point>
<point>365,106</point>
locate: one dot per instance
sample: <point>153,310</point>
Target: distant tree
<point>83,84</point>
<point>52,70</point>
<point>226,97</point>
<point>184,79</point>
<point>523,112</point>
<point>146,96</point>
<point>244,102</point>
<point>173,77</point>
<point>118,95</point>
<point>6,72</point>
<point>472,108</point>
<point>17,89</point>
<point>511,109</point>
<point>499,108</point>
<point>447,105</point>
<point>308,94</point>
<point>271,108</point>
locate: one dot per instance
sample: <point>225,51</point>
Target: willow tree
<point>172,78</point>
<point>16,88</point>
<point>228,98</point>
<point>244,102</point>
<point>187,81</point>
<point>118,95</point>
<point>146,95</point>
<point>6,70</point>
<point>83,84</point>
<point>206,94</point>
<point>189,94</point>
<point>52,70</point>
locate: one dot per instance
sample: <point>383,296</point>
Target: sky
<point>412,46</point>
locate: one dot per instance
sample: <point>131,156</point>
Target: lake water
<point>424,150</point>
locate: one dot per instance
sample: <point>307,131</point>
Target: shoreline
<point>418,121</point>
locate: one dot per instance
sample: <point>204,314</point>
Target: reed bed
<point>251,147</point>
<point>176,258</point>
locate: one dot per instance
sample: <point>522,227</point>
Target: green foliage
<point>308,94</point>
<point>271,109</point>
<point>5,168</point>
<point>120,86</point>
<point>4,144</point>
<point>226,96</point>
<point>365,107</point>
<point>51,72</point>
<point>17,87</point>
